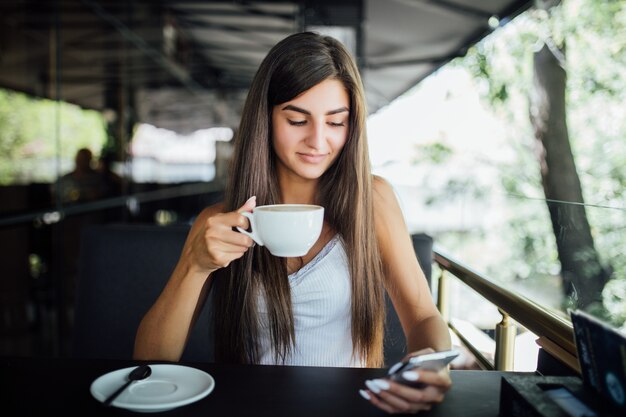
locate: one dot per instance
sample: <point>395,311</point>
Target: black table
<point>55,387</point>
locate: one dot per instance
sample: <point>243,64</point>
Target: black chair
<point>395,342</point>
<point>122,270</point>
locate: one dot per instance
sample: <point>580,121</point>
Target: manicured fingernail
<point>373,387</point>
<point>250,199</point>
<point>410,375</point>
<point>364,394</point>
<point>381,383</point>
<point>394,368</point>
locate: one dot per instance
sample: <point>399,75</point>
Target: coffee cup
<point>287,230</point>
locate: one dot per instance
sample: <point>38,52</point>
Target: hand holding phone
<point>430,361</point>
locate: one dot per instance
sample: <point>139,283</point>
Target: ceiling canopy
<point>105,53</point>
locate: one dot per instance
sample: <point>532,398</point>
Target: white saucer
<point>169,386</point>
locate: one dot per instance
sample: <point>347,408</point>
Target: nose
<point>317,136</point>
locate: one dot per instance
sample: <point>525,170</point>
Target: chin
<point>311,173</point>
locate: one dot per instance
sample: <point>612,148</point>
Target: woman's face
<point>310,130</point>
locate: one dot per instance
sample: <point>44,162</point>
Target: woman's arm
<point>423,326</point>
<point>210,245</point>
<point>405,282</point>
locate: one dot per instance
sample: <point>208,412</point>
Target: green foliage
<point>33,132</point>
<point>592,35</point>
<point>436,153</point>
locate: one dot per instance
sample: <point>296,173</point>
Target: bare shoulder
<point>388,215</point>
<point>381,187</point>
<point>384,198</point>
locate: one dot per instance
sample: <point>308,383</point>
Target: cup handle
<point>252,235</point>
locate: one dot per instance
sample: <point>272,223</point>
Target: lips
<point>312,158</point>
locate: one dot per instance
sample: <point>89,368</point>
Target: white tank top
<point>321,298</point>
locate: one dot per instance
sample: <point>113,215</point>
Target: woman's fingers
<point>233,218</point>
<point>225,235</point>
<point>380,404</point>
<point>418,353</point>
<point>392,404</point>
<point>439,379</point>
<point>426,394</point>
<point>222,243</point>
<point>394,397</point>
<point>227,221</point>
<point>249,205</point>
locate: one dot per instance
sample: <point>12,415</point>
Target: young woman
<point>302,140</point>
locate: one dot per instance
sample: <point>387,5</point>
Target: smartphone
<point>431,361</point>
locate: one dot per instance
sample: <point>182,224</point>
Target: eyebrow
<point>303,111</point>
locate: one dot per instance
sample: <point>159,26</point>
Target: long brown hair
<point>292,67</point>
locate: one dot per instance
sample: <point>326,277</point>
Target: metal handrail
<point>539,320</point>
<point>481,359</point>
<point>141,197</point>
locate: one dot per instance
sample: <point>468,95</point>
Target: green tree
<point>523,66</point>
<point>582,272</point>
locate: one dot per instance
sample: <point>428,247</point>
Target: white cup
<point>287,230</point>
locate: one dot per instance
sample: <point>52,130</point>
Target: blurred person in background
<point>81,184</point>
<point>111,183</point>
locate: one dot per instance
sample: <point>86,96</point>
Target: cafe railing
<point>54,215</point>
<point>554,332</point>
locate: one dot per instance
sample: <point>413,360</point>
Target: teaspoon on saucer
<point>137,374</point>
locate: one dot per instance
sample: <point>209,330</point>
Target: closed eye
<point>336,124</point>
<point>296,122</point>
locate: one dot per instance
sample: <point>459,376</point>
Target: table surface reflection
<point>58,386</point>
